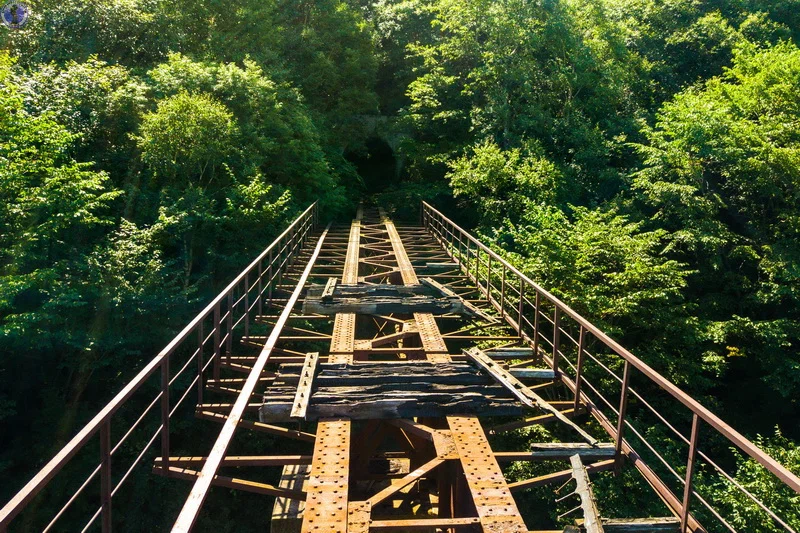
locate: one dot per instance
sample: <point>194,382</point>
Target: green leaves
<point>502,183</point>
<point>721,174</point>
<point>188,138</point>
<point>518,71</point>
<point>743,512</point>
<point>221,113</point>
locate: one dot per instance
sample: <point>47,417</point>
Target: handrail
<point>734,436</point>
<point>513,301</point>
<point>294,234</point>
<point>194,502</point>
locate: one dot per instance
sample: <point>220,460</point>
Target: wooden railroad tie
<point>428,296</point>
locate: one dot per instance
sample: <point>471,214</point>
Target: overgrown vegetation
<point>640,158</point>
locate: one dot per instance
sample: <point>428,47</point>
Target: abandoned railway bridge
<point>392,360</point>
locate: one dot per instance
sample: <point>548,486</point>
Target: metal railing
<point>577,351</point>
<point>211,333</point>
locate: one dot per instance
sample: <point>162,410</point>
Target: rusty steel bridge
<point>389,358</point>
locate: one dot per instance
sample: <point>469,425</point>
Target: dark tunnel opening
<point>376,164</point>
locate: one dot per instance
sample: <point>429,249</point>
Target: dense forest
<point>638,158</point>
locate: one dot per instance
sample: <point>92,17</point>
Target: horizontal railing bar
<point>238,301</point>
<point>696,407</point>
<point>545,339</point>
<point>188,361</point>
<point>714,512</point>
<point>746,492</point>
<point>241,318</point>
<point>128,472</point>
<point>562,330</point>
<point>186,393</point>
<point>208,363</point>
<point>43,476</point>
<point>546,317</point>
<point>137,460</point>
<point>136,424</point>
<point>91,520</point>
<point>653,450</point>
<point>72,499</point>
<point>603,398</point>
<point>194,502</point>
<point>223,340</point>
<point>635,393</point>
<point>603,366</point>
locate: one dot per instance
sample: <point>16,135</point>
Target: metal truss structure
<point>384,361</point>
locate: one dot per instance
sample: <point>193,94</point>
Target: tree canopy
<point>638,158</point>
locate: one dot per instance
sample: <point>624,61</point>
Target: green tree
<point>516,71</point>
<point>721,176</point>
<point>276,137</point>
<point>741,511</point>
<point>53,208</point>
<point>503,182</point>
<point>614,272</point>
<point>188,138</point>
<point>99,102</point>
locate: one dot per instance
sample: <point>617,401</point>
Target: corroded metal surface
<point>493,501</point>
<point>326,501</point>
<point>364,476</point>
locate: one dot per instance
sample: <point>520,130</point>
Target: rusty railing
<point>210,333</point>
<point>585,360</point>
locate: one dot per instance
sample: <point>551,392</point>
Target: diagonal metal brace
<point>591,516</point>
<point>522,392</point>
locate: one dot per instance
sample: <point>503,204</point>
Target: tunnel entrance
<point>376,164</point>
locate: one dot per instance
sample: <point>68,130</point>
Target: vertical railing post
<point>488,277</point>
<point>536,304</point>
<point>105,475</point>
<point>452,233</point>
<point>460,251</point>
<point>477,267</point>
<point>269,281</point>
<point>300,239</point>
<point>579,368</point>
<point>687,488</point>
<point>623,406</point>
<point>165,414</point>
<point>217,340</point>
<point>290,248</point>
<point>519,307</point>
<point>229,326</point>
<point>503,291</point>
<point>281,251</point>
<point>247,305</point>
<point>260,294</point>
<point>200,361</point>
<point>556,337</point>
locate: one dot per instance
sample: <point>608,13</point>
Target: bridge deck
<point>384,361</point>
<point>400,359</point>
